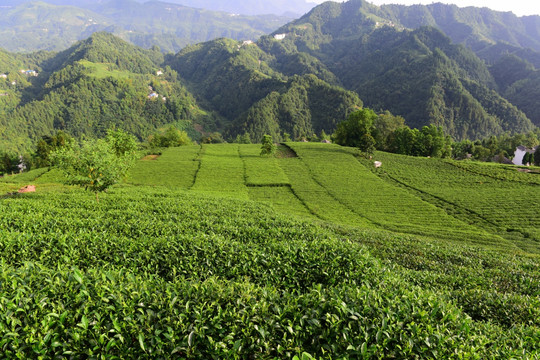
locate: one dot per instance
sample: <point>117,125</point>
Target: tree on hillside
<point>268,147</point>
<point>48,144</point>
<point>527,158</point>
<point>243,139</point>
<point>96,165</point>
<point>356,131</point>
<point>8,163</point>
<point>170,138</point>
<point>124,144</point>
<point>385,126</point>
<point>537,156</point>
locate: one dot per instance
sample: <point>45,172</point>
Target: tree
<point>48,144</point>
<point>537,156</point>
<point>96,165</point>
<point>268,147</point>
<point>213,138</point>
<point>124,144</point>
<point>170,138</point>
<point>527,158</point>
<point>356,130</point>
<point>243,139</point>
<point>385,126</point>
<point>8,163</point>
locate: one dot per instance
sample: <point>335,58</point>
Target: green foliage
<point>97,165</point>
<point>417,74</point>
<point>430,141</point>
<point>268,147</point>
<point>352,184</point>
<point>221,172</point>
<point>243,139</point>
<point>493,196</point>
<point>385,126</point>
<point>178,26</point>
<point>306,106</point>
<point>262,171</point>
<point>8,163</point>
<point>212,138</point>
<point>488,148</point>
<point>49,144</point>
<point>169,138</point>
<point>527,159</point>
<point>356,131</point>
<point>123,144</point>
<point>154,272</point>
<point>537,156</point>
<point>174,167</point>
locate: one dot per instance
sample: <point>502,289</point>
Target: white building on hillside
<point>520,153</point>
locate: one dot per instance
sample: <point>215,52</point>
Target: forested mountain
<point>104,82</point>
<point>97,84</point>
<point>31,26</point>
<point>238,82</point>
<point>472,26</point>
<point>252,7</point>
<point>301,80</point>
<point>419,74</point>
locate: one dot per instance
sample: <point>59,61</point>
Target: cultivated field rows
<point>163,270</point>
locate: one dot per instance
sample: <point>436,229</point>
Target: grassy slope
<point>498,197</point>
<point>225,277</point>
<point>176,167</point>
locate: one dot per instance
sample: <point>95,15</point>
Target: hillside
<point>299,81</point>
<point>214,251</point>
<point>254,7</point>
<point>222,85</point>
<point>418,74</point>
<point>97,84</point>
<point>32,26</point>
<point>239,82</point>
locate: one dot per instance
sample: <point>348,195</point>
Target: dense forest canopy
<point>300,81</point>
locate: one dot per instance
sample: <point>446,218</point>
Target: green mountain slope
<point>97,84</point>
<point>302,79</point>
<point>306,106</point>
<point>418,74</point>
<point>473,26</point>
<point>32,26</point>
<point>238,82</point>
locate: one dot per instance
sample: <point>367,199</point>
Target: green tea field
<point>214,252</point>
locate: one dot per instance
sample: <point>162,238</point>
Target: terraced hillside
<point>333,184</point>
<point>310,254</point>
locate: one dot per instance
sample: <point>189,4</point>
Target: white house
<point>520,153</point>
<point>159,73</point>
<point>29,72</point>
<point>280,36</point>
<point>3,76</point>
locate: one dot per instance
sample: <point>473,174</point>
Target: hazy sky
<point>518,7</point>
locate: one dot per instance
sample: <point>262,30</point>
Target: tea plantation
<point>214,252</point>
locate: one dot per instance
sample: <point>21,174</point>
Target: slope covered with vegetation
<point>32,26</point>
<point>97,84</point>
<point>419,74</point>
<point>184,269</point>
<point>296,83</point>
